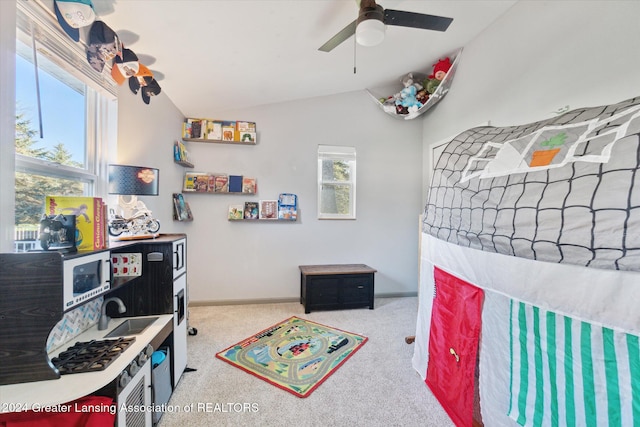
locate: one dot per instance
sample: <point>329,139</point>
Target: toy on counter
<point>440,70</point>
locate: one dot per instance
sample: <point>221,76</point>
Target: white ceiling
<point>216,55</point>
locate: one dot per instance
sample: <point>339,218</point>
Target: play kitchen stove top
<point>90,356</point>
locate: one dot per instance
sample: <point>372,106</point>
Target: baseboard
<point>282,300</point>
<point>242,301</point>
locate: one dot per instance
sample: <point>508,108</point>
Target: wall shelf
<point>184,163</point>
<point>216,141</point>
<point>262,220</point>
<point>219,131</point>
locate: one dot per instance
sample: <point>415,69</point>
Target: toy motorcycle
<point>140,223</point>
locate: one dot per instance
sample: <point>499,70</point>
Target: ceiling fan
<point>369,28</point>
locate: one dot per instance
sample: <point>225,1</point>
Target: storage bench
<point>336,286</point>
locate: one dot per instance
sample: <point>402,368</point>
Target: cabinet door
<point>179,327</point>
<point>356,289</point>
<point>179,257</point>
<point>453,345</point>
<point>322,290</point>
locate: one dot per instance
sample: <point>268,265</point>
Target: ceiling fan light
<point>370,32</point>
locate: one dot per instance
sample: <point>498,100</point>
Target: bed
<point>543,220</point>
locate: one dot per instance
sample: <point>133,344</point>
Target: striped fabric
<point>565,372</point>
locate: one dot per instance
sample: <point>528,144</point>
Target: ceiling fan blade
<point>343,35</point>
<point>416,20</point>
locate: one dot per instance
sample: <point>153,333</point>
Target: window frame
<point>346,154</point>
<point>34,21</point>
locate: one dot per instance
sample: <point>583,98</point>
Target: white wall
<point>242,261</point>
<point>538,57</point>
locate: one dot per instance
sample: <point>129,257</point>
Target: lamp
<point>370,28</point>
<point>134,219</point>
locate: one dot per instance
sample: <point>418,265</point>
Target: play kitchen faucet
<point>103,322</point>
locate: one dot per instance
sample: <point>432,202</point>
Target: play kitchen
<point>134,295</point>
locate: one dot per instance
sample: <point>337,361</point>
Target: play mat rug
<point>296,355</point>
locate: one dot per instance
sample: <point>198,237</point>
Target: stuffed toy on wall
<point>408,99</point>
<point>440,70</point>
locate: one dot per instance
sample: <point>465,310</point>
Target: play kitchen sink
<point>131,327</point>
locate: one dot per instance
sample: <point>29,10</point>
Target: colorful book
<point>181,208</point>
<point>198,128</point>
<point>247,137</point>
<point>245,126</point>
<point>186,130</point>
<point>196,181</point>
<point>249,185</point>
<point>228,131</point>
<point>90,220</point>
<point>251,210</point>
<point>268,209</point>
<point>236,212</point>
<point>221,183</point>
<point>288,206</point>
<point>180,152</point>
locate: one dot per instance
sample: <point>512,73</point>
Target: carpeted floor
<point>376,387</point>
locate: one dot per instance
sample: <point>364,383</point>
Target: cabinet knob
<point>124,379</point>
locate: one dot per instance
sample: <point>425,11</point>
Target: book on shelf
<point>180,153</point>
<point>288,206</point>
<point>245,126</point>
<point>235,183</point>
<point>196,182</point>
<point>90,218</point>
<point>181,211</point>
<point>236,212</point>
<point>249,185</point>
<point>221,183</point>
<point>186,130</point>
<point>268,209</point>
<point>251,210</point>
<point>228,131</point>
<point>247,137</point>
<point>214,130</point>
<point>198,128</point>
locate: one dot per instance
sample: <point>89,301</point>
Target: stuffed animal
<point>422,96</point>
<point>408,99</point>
<point>389,104</point>
<point>440,70</point>
<point>408,80</point>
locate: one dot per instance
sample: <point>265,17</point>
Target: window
<point>65,113</point>
<point>336,182</point>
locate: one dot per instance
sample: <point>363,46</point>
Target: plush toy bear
<point>408,99</point>
<point>440,70</point>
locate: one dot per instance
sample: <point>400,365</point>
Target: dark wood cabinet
<point>30,306</point>
<point>153,292</point>
<point>336,286</point>
<point>162,289</point>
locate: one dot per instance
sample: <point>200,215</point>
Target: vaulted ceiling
<point>216,55</point>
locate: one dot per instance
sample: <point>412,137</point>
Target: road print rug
<point>296,355</point>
